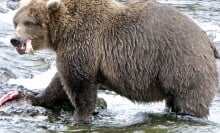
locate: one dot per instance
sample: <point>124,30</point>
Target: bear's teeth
<point>23,46</point>
<point>29,48</point>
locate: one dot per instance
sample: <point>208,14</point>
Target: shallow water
<point>121,114</point>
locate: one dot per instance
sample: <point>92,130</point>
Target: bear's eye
<point>30,23</point>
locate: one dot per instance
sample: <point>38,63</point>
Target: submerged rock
<point>3,9</point>
<point>24,109</point>
<point>13,4</point>
<point>6,5</point>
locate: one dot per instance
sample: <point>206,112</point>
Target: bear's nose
<point>15,41</point>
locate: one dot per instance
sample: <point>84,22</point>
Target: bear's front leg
<point>85,103</point>
<point>82,96</point>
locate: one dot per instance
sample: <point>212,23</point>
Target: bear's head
<point>31,25</point>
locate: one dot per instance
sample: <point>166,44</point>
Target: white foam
<point>7,17</point>
<point>176,2</point>
<point>210,26</point>
<point>124,112</point>
<point>217,37</point>
<point>40,81</point>
<point>5,40</point>
<point>207,26</point>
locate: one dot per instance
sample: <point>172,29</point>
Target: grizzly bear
<point>145,51</point>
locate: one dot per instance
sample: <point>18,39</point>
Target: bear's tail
<point>216,53</point>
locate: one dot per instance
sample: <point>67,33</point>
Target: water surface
<point>34,72</point>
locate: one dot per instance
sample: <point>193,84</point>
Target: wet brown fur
<point>144,51</point>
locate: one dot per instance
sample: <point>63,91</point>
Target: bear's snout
<point>15,41</point>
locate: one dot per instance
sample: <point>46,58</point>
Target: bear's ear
<point>24,3</point>
<point>53,5</point>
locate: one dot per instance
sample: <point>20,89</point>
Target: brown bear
<point>145,51</point>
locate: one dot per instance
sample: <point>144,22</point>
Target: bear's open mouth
<point>25,48</point>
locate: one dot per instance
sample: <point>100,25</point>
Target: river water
<point>35,72</point>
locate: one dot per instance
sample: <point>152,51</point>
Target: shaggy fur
<point>144,51</point>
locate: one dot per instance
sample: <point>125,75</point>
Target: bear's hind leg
<point>193,101</point>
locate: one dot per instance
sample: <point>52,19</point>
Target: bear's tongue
<point>21,50</point>
<point>26,48</point>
